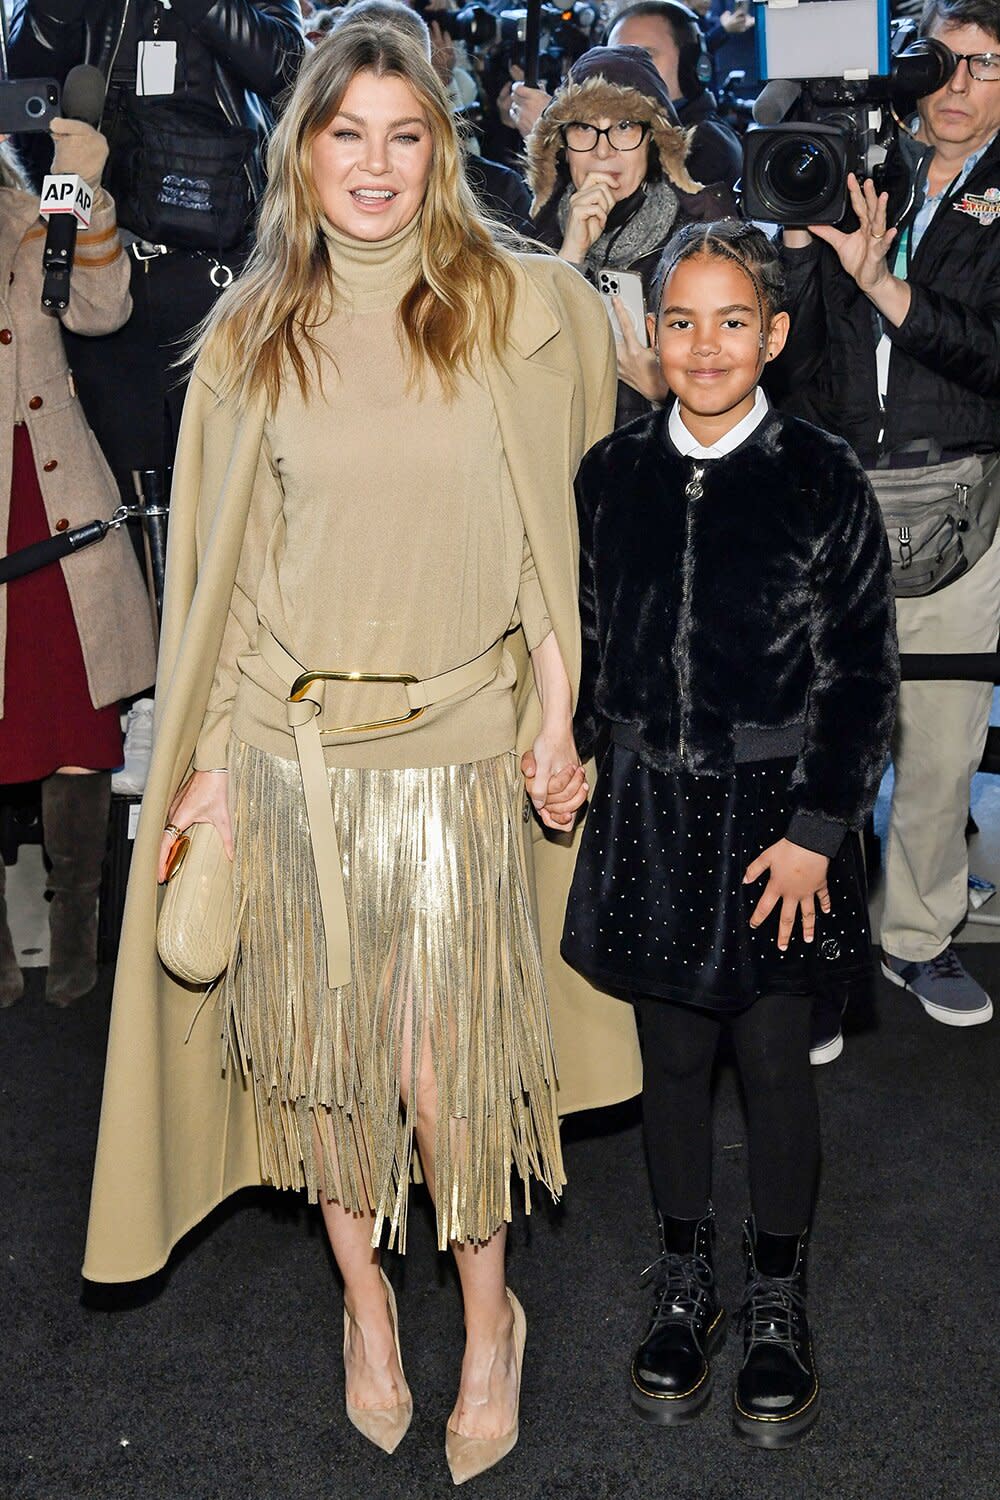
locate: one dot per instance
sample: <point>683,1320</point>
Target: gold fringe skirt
<point>444,954</point>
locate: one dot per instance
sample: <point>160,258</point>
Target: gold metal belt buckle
<point>300,689</point>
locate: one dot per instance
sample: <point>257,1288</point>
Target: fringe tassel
<point>441,937</point>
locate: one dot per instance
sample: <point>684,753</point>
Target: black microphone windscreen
<point>83,94</point>
<point>775,100</point>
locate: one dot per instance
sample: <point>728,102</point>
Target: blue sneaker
<point>944,987</point>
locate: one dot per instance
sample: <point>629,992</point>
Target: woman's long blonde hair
<point>463,295</point>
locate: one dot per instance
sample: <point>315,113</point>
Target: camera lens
<point>800,175</point>
<point>34,106</point>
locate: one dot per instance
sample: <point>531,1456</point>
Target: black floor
<point>224,1381</point>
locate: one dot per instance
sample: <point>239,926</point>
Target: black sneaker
<point>826,1037</point>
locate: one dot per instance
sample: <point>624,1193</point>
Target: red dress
<point>48,718</point>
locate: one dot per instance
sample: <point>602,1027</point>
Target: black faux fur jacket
<point>740,609</point>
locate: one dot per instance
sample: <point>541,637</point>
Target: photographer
<point>187,116</point>
<point>902,325</point>
<point>670,34</point>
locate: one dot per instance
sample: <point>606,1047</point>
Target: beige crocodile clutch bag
<point>195,931</point>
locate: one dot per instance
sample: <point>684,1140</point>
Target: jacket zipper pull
<point>693,489</point>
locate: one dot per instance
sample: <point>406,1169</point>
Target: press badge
<point>156,68</point>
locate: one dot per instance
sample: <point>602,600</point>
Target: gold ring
<point>172,828</point>
<point>879,236</point>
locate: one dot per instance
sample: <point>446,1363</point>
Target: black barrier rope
<point>947,667</point>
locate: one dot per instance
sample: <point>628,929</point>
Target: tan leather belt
<point>303,706</point>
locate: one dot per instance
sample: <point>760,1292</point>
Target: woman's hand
<point>442,53</point>
<point>863,253</point>
<point>638,367</point>
<point>526,104</point>
<point>204,798</point>
<point>588,213</point>
<point>555,779</point>
<point>798,880</point>
<point>80,150</point>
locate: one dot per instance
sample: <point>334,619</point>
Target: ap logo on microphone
<point>66,194</point>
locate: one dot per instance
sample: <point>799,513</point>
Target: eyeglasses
<point>984,67</point>
<point>627,135</point>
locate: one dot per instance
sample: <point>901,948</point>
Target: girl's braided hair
<point>728,239</point>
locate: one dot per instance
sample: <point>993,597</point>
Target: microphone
<point>775,100</point>
<point>66,198</point>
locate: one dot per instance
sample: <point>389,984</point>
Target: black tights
<point>771,1039</point>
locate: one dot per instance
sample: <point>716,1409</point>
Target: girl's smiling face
<point>709,339</point>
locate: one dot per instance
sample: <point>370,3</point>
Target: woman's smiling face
<point>372,163</point>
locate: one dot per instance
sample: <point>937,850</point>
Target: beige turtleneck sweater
<point>389,536</point>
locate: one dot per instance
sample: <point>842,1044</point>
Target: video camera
<point>500,37</point>
<point>566,33</point>
<point>475,24</point>
<point>839,77</point>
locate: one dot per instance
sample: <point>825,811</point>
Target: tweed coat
<point>178,1132</point>
<point>109,599</point>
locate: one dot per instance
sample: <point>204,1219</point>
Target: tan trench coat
<point>177,1130</point>
<point>109,599</point>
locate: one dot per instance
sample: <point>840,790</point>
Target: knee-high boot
<point>11,978</point>
<point>75,822</point>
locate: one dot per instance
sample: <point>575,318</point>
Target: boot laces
<point>770,1311</point>
<point>681,1284</point>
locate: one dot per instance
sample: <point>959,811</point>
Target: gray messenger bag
<point>939,518</point>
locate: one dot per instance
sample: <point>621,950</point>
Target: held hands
<point>797,880</point>
<point>638,367</point>
<point>204,798</point>
<point>81,151</point>
<point>555,780</point>
<point>588,213</point>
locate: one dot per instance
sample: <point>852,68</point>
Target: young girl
<point>739,677</point>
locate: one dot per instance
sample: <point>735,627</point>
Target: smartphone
<point>27,104</point>
<point>628,286</point>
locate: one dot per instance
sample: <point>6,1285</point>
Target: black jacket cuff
<point>814,832</point>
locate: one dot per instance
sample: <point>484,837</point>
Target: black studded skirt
<point>658,906</point>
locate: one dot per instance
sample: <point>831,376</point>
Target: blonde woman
<point>375,476</point>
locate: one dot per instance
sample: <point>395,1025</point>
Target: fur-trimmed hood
<point>588,94</point>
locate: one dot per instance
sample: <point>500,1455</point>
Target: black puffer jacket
<point>255,48</point>
<point>944,373</point>
<point>742,617</point>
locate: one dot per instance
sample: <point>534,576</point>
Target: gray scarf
<point>647,230</point>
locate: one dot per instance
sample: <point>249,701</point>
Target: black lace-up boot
<point>671,1375</point>
<point>777,1391</point>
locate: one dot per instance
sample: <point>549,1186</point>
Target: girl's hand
<point>798,880</point>
<point>588,213</point>
<point>862,254</point>
<point>204,798</point>
<point>554,779</point>
<point>638,367</point>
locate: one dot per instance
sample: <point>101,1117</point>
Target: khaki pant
<point>937,746</point>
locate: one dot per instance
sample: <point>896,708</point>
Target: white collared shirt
<point>689,447</point>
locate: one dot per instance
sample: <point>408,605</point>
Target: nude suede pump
<point>385,1426</point>
<point>469,1456</point>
